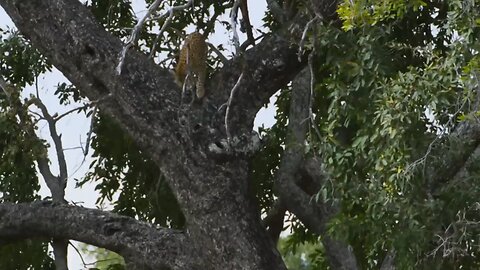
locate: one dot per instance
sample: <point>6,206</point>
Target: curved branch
<point>293,197</point>
<point>267,67</point>
<point>298,200</point>
<point>136,241</point>
<point>57,141</point>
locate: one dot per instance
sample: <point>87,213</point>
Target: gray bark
<point>223,224</point>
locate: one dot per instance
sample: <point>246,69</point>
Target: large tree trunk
<point>208,175</point>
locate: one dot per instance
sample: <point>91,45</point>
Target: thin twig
<point>167,22</point>
<point>90,131</point>
<point>39,116</point>
<point>71,111</point>
<point>304,36</point>
<point>211,22</point>
<point>184,87</point>
<point>36,87</point>
<point>229,103</point>
<point>57,141</point>
<point>133,37</point>
<point>72,148</point>
<point>78,252</point>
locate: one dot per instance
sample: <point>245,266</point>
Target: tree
<point>373,153</point>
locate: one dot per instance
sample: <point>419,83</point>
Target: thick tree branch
<point>136,241</point>
<point>246,26</point>
<point>292,196</point>
<point>340,254</point>
<point>66,30</point>
<point>299,200</point>
<point>135,33</point>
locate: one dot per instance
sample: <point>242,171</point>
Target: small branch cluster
<point>170,13</point>
<point>304,37</point>
<point>229,103</point>
<point>453,242</point>
<point>133,37</point>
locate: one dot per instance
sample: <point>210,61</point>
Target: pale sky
<point>75,126</point>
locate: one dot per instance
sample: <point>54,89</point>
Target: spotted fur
<point>193,59</point>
